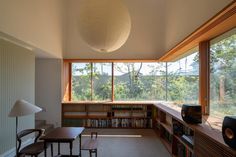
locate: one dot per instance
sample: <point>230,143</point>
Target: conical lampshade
<point>22,108</point>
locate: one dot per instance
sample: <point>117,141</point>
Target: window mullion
<point>91,65</point>
<point>112,83</point>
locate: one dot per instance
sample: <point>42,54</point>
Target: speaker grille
<point>205,146</point>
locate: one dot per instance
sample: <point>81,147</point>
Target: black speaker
<point>191,113</point>
<point>229,131</point>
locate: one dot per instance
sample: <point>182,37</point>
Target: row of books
<point>179,129</point>
<point>117,122</point>
<point>101,123</point>
<point>183,151</point>
<point>126,107</point>
<point>134,123</point>
<point>111,114</point>
<point>167,136</point>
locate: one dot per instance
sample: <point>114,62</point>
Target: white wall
<point>48,89</point>
<point>17,67</point>
<point>37,22</point>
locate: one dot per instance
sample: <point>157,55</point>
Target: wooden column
<point>66,81</point>
<point>204,75</point>
<point>70,81</point>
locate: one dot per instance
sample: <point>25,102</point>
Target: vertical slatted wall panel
<point>206,147</point>
<point>17,75</point>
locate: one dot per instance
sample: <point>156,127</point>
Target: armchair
<point>36,147</point>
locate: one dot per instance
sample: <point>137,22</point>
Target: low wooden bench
<point>91,144</point>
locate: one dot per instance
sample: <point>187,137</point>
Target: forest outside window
<point>222,75</point>
<point>177,81</point>
<point>183,79</point>
<point>139,81</point>
<point>91,81</point>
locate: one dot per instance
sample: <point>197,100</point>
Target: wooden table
<point>63,135</point>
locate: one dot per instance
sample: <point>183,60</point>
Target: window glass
<point>81,82</point>
<point>139,81</point>
<point>183,80</point>
<point>223,75</point>
<point>102,81</point>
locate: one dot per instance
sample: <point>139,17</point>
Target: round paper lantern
<point>104,24</point>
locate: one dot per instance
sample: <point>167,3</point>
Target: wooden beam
<point>70,81</point>
<point>220,23</point>
<point>111,60</point>
<point>65,82</point>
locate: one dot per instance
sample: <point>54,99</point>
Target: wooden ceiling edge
<point>211,24</point>
<point>110,60</point>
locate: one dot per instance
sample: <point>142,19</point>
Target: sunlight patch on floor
<point>127,136</point>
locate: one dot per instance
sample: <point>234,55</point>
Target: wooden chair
<point>91,144</point>
<point>33,149</point>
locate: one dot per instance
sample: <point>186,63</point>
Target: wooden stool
<point>91,144</point>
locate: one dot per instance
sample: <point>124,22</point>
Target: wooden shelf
<point>121,113</point>
<point>75,116</point>
<point>98,111</point>
<point>186,145</point>
<point>167,145</point>
<point>167,127</point>
<point>85,117</point>
<point>161,115</point>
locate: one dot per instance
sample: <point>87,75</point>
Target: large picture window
<point>183,79</point>
<point>91,81</point>
<point>223,75</point>
<point>81,82</point>
<point>128,81</point>
<point>102,81</point>
<point>139,81</point>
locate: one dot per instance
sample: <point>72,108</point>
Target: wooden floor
<point>121,143</point>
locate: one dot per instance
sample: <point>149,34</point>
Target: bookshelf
<point>181,139</point>
<point>187,140</point>
<point>177,136</point>
<point>107,115</point>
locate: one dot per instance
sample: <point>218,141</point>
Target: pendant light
<point>104,24</point>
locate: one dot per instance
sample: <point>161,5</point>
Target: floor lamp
<point>22,108</point>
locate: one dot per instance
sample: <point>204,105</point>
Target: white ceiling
<point>50,27</point>
<point>157,26</point>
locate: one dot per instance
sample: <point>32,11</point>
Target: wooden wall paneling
<point>206,146</point>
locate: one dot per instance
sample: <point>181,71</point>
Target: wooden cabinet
<point>107,115</point>
<point>181,139</point>
<point>185,140</point>
<point>175,135</point>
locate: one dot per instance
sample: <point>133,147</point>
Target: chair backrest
<point>94,135</point>
<point>23,133</point>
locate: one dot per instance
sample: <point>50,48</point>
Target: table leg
<point>59,148</point>
<point>80,146</point>
<point>45,149</point>
<point>71,146</point>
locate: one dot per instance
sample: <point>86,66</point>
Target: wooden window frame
<point>217,25</point>
<point>67,77</point>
